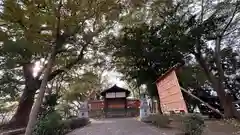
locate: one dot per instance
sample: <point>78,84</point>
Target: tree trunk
<point>218,87</point>
<point>153,105</point>
<point>159,105</point>
<point>21,115</point>
<point>20,118</point>
<point>37,104</point>
<point>133,92</point>
<point>139,92</point>
<point>226,98</point>
<point>31,86</point>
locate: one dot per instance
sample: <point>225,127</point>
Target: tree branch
<point>87,38</point>
<point>58,36</point>
<point>41,71</point>
<point>202,62</point>
<point>58,14</point>
<point>78,28</point>
<point>231,19</point>
<point>202,10</point>
<point>68,66</point>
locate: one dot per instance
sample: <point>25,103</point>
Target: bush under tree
<point>159,120</point>
<point>50,124</point>
<point>193,124</point>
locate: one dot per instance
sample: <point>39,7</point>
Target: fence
<point>96,108</point>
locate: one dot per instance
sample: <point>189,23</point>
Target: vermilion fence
<point>99,104</point>
<point>96,104</point>
<point>96,107</point>
<point>133,103</point>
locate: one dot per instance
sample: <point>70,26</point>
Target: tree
<point>193,33</point>
<point>203,28</point>
<point>62,9</point>
<point>5,110</point>
<point>80,89</point>
<point>181,35</point>
<point>136,58</point>
<point>195,81</point>
<point>34,112</point>
<point>135,47</point>
<point>31,28</point>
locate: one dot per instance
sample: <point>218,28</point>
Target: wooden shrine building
<point>115,101</point>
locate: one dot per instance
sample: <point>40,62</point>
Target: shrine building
<point>115,101</point>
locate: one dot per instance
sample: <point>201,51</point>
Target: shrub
<point>193,124</point>
<point>159,120</point>
<point>76,122</point>
<point>177,117</point>
<point>96,113</point>
<point>50,124</point>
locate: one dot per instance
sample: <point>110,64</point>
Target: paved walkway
<point>123,126</point>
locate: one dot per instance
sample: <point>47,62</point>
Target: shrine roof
<point>115,88</point>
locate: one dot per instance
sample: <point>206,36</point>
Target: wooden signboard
<point>170,95</point>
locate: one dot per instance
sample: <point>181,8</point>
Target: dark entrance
<point>115,101</point>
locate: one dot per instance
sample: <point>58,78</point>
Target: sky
<point>115,78</point>
<point>112,77</point>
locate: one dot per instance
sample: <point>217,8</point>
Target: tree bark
<point>36,107</point>
<point>159,106</point>
<point>21,115</point>
<point>228,99</point>
<point>139,92</point>
<point>31,86</point>
<point>225,99</point>
<point>39,100</point>
<point>37,82</point>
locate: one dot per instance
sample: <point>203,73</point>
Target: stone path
<point>123,126</point>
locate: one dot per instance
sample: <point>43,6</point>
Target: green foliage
<point>9,84</point>
<point>141,54</point>
<point>81,86</point>
<point>193,124</point>
<point>192,76</point>
<point>49,120</point>
<point>4,110</point>
<point>96,114</point>
<point>159,120</point>
<point>64,109</point>
<point>50,124</point>
<point>145,51</point>
<point>30,28</point>
<point>75,123</point>
<point>51,100</point>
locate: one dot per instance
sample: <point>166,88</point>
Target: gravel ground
<point>123,126</point>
